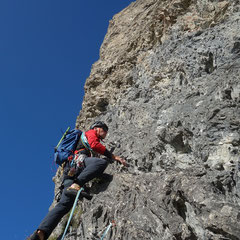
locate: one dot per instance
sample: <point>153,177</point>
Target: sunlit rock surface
<point>168,85</point>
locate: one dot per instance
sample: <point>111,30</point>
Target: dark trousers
<point>93,168</point>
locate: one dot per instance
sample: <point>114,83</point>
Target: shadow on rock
<point>101,183</point>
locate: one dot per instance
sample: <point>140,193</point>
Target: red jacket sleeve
<point>94,142</point>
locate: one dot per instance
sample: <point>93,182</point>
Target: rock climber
<point>75,177</point>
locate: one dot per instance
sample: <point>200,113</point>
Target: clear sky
<point>47,48</point>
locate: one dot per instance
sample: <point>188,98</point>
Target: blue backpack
<point>66,145</point>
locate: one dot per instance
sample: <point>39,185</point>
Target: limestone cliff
<point>168,85</point>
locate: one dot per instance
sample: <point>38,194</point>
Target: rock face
<point>168,85</point>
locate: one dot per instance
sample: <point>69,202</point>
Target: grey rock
<point>168,85</point>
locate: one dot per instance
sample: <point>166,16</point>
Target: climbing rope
<point>71,214</point>
<point>112,224</point>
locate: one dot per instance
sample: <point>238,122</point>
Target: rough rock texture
<point>168,85</point>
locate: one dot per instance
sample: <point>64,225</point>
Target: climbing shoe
<point>71,192</point>
<point>86,195</point>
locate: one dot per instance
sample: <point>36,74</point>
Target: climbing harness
<point>112,224</point>
<point>71,214</point>
<point>76,163</point>
<point>79,158</point>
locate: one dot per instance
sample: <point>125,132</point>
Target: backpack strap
<point>85,142</point>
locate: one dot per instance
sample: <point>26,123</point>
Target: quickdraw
<point>112,224</point>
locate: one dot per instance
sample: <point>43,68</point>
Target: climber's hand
<point>121,160</point>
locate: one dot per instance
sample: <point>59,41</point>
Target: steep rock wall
<point>168,85</point>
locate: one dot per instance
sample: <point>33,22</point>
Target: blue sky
<point>47,48</point>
